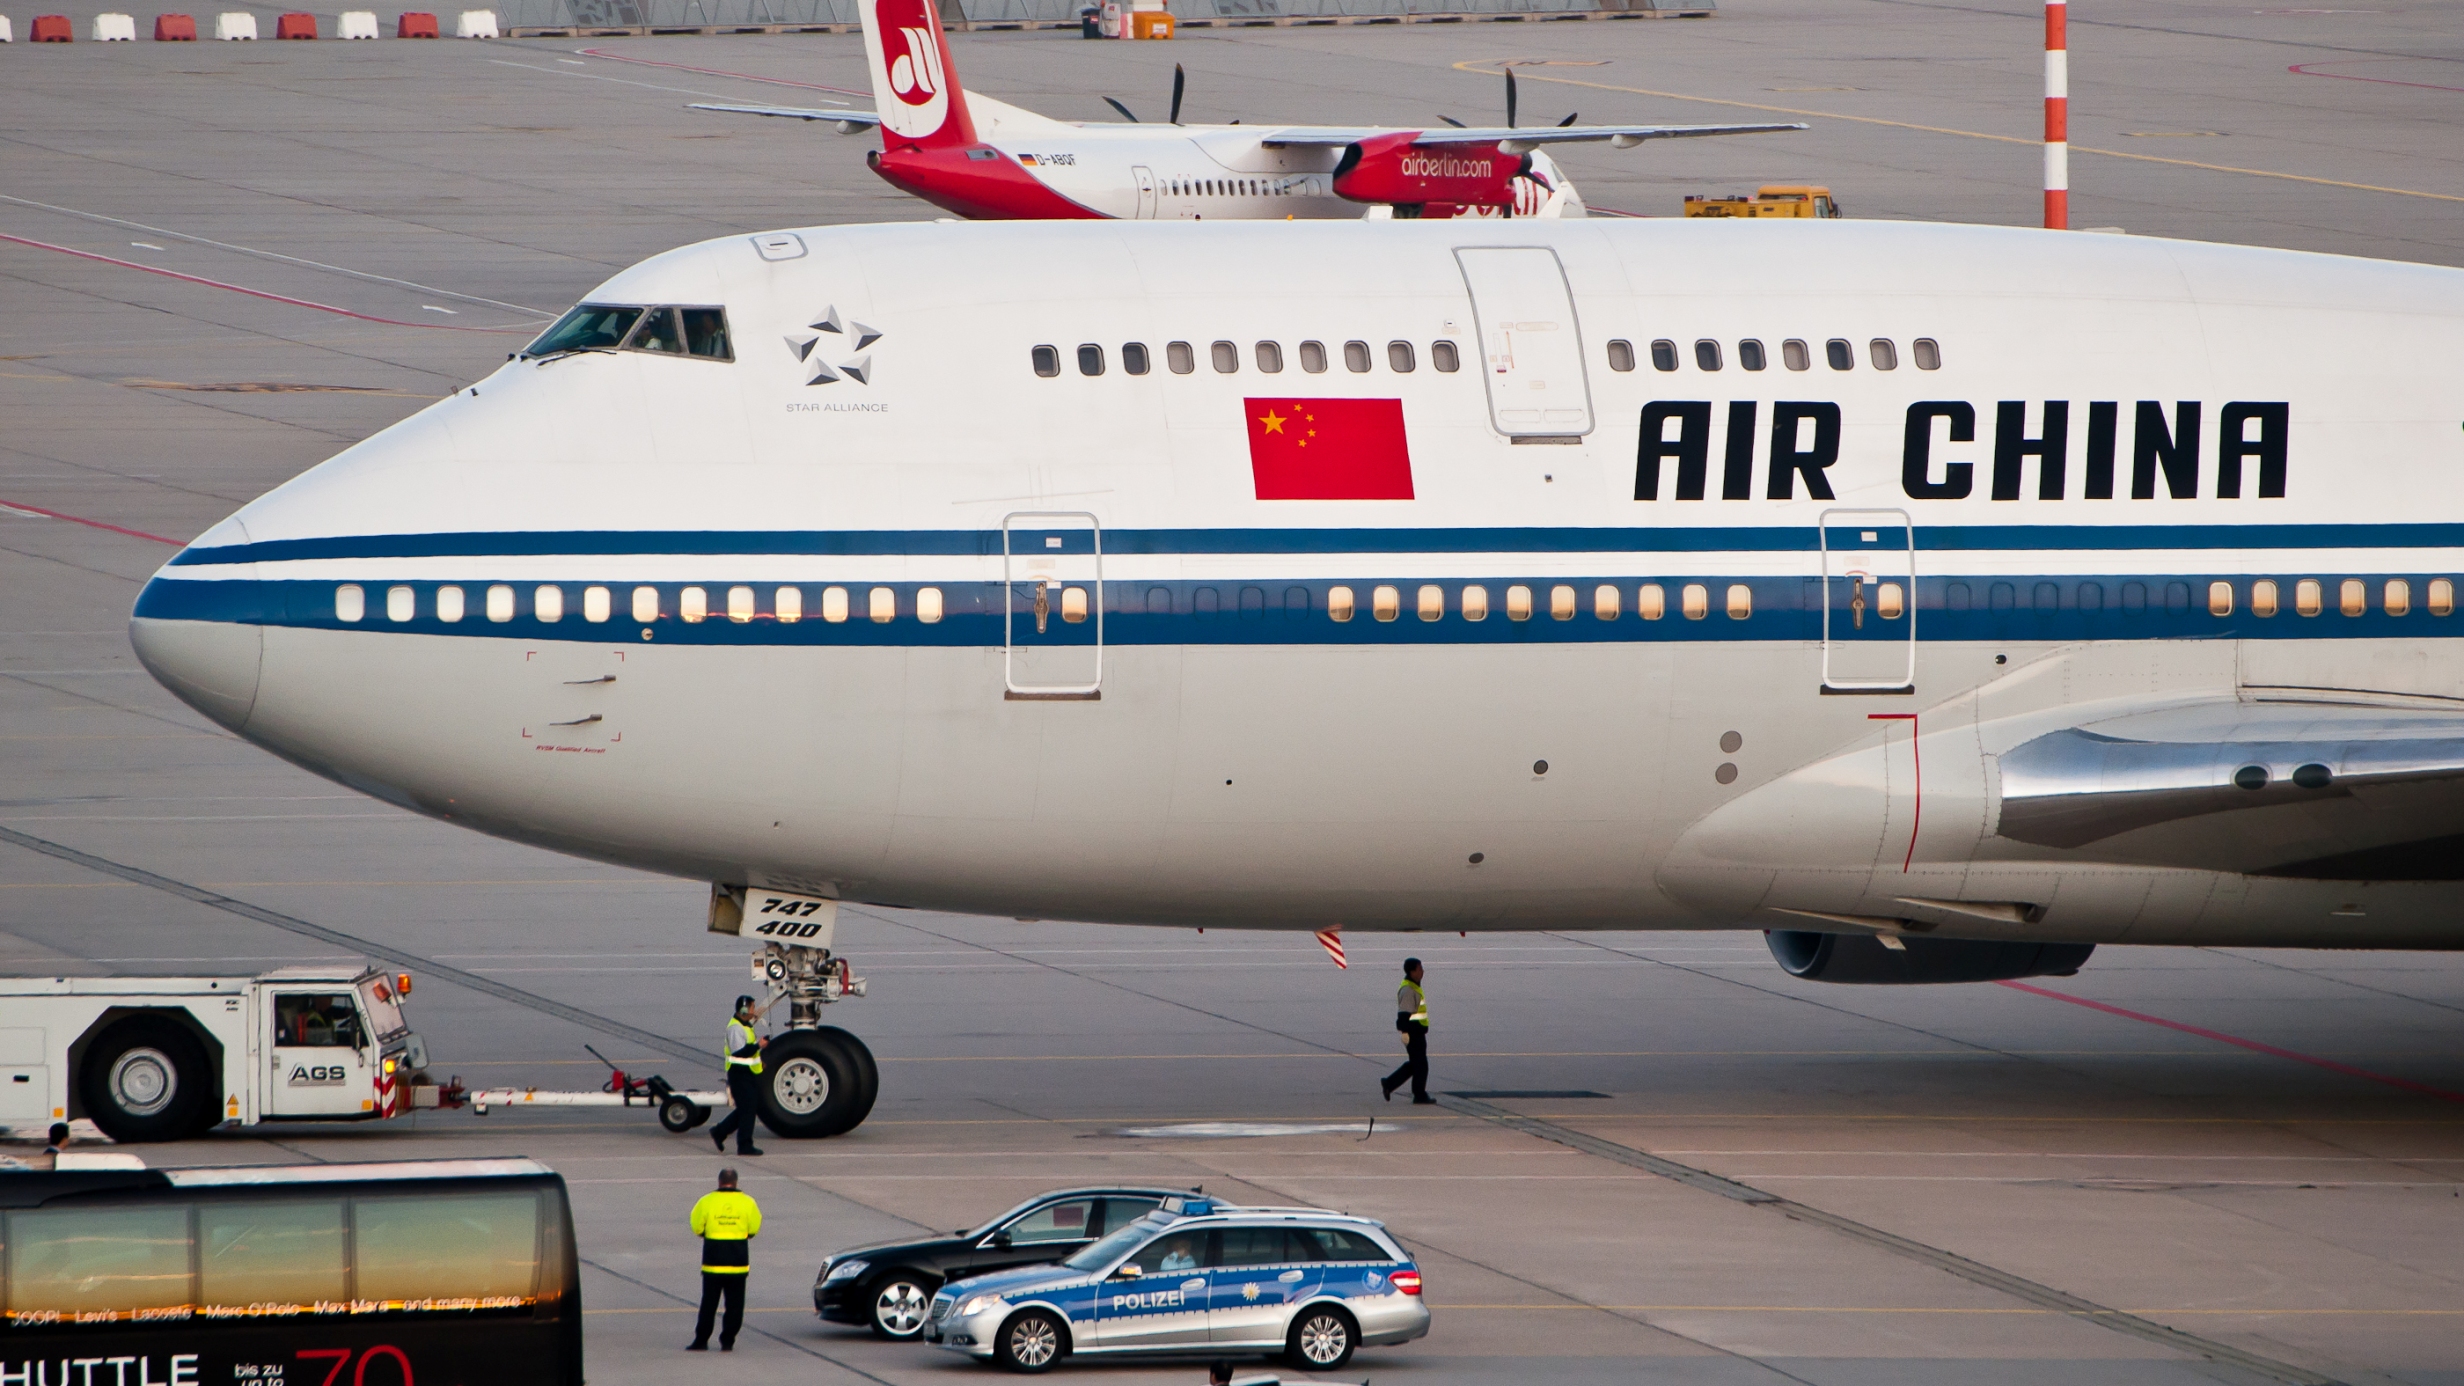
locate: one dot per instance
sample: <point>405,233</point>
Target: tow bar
<point>679,1111</point>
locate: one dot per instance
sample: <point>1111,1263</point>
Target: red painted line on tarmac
<point>91,524</point>
<point>717,72</point>
<point>255,293</point>
<point>2238,1042</point>
<point>2305,70</point>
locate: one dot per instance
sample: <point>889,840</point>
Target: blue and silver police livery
<point>1197,1277</point>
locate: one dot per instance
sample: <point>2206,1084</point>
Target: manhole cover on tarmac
<point>1229,1130</point>
<point>1531,1093</point>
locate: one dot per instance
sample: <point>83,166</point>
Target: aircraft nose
<point>211,665</point>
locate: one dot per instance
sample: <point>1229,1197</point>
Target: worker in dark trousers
<point>727,1222</point>
<point>1412,1018</point>
<point>743,1054</point>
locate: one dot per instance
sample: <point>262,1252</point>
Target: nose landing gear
<point>817,1080</point>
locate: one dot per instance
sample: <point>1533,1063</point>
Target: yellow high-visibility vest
<point>1420,1016</point>
<point>739,1035</point>
<point>725,1221</point>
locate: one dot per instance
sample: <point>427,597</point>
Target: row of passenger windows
<point>1839,353</point>
<point>881,604</point>
<point>1182,358</point>
<point>1385,602</point>
<point>2353,595</point>
<point>1236,187</point>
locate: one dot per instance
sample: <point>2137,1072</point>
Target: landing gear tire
<point>901,1300</point>
<point>868,1073</point>
<point>1322,1340</point>
<point>146,1080</point>
<point>811,1086</point>
<point>1030,1343</point>
<point>682,1114</point>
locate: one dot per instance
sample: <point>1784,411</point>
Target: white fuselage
<point>1588,762</point>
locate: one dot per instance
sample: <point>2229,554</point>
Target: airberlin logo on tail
<point>906,51</point>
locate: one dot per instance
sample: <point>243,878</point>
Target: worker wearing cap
<point>743,1055</point>
<point>1412,1019</point>
<point>727,1222</point>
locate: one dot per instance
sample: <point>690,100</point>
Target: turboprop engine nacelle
<point>1394,169</point>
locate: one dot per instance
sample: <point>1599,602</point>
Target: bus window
<point>282,1254</point>
<point>447,1246</point>
<point>84,1261</point>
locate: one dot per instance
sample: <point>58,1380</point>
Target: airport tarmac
<point>2233,1165</point>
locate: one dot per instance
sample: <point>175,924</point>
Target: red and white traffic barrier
<point>355,24</point>
<point>114,28</point>
<point>52,28</point>
<point>2057,116</point>
<point>175,28</point>
<point>475,24</point>
<point>415,24</point>
<point>296,25</point>
<point>236,26</point>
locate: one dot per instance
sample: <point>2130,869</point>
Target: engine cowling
<point>1393,169</point>
<point>1862,959</point>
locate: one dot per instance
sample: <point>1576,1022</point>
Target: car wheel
<point>1322,1339</point>
<point>146,1079</point>
<point>900,1302</point>
<point>1030,1342</point>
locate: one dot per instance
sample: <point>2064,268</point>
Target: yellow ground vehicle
<point>1776,200</point>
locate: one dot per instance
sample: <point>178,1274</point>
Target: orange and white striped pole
<point>2057,116</point>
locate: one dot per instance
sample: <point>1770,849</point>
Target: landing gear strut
<point>816,1080</point>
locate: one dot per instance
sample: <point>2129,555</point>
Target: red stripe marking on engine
<point>2238,1042</point>
<point>255,293</point>
<point>92,524</point>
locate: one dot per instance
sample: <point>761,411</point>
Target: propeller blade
<point>1569,120</point>
<point>1509,98</point>
<point>1180,79</point>
<point>1450,120</point>
<point>1124,110</point>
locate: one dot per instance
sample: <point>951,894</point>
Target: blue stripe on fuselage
<point>1267,612</point>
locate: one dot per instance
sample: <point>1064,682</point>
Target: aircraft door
<point>1868,601</point>
<point>1531,346</point>
<point>1052,568</point>
<point>1146,192</point>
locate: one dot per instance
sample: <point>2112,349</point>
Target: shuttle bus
<point>449,1272</point>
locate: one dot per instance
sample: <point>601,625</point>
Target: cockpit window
<point>705,333</point>
<point>658,332</point>
<point>591,327</point>
<point>664,331</point>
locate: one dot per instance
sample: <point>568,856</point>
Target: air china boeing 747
<point>1945,600</point>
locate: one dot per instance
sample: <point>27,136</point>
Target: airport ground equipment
<point>816,1079</point>
<point>164,1058</point>
<point>679,1111</point>
<point>1771,200</point>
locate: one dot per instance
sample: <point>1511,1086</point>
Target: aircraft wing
<point>1512,139</point>
<point>848,122</point>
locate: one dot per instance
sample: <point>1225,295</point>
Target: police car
<point>1196,1277</point>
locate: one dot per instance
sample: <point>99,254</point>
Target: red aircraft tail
<point>914,87</point>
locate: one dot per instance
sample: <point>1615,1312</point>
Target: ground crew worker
<point>1412,1019</point>
<point>743,1054</point>
<point>727,1222</point>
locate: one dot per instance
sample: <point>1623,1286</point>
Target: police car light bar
<point>1191,1207</point>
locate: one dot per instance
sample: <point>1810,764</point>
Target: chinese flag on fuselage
<point>1329,449</point>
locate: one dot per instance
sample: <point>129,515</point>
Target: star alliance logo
<point>818,370</point>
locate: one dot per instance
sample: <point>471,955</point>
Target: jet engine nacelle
<point>1393,169</point>
<point>1862,958</point>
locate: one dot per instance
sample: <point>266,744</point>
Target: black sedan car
<point>889,1287</point>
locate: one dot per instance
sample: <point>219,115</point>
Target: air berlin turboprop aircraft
<point>1945,599</point>
<point>983,158</point>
